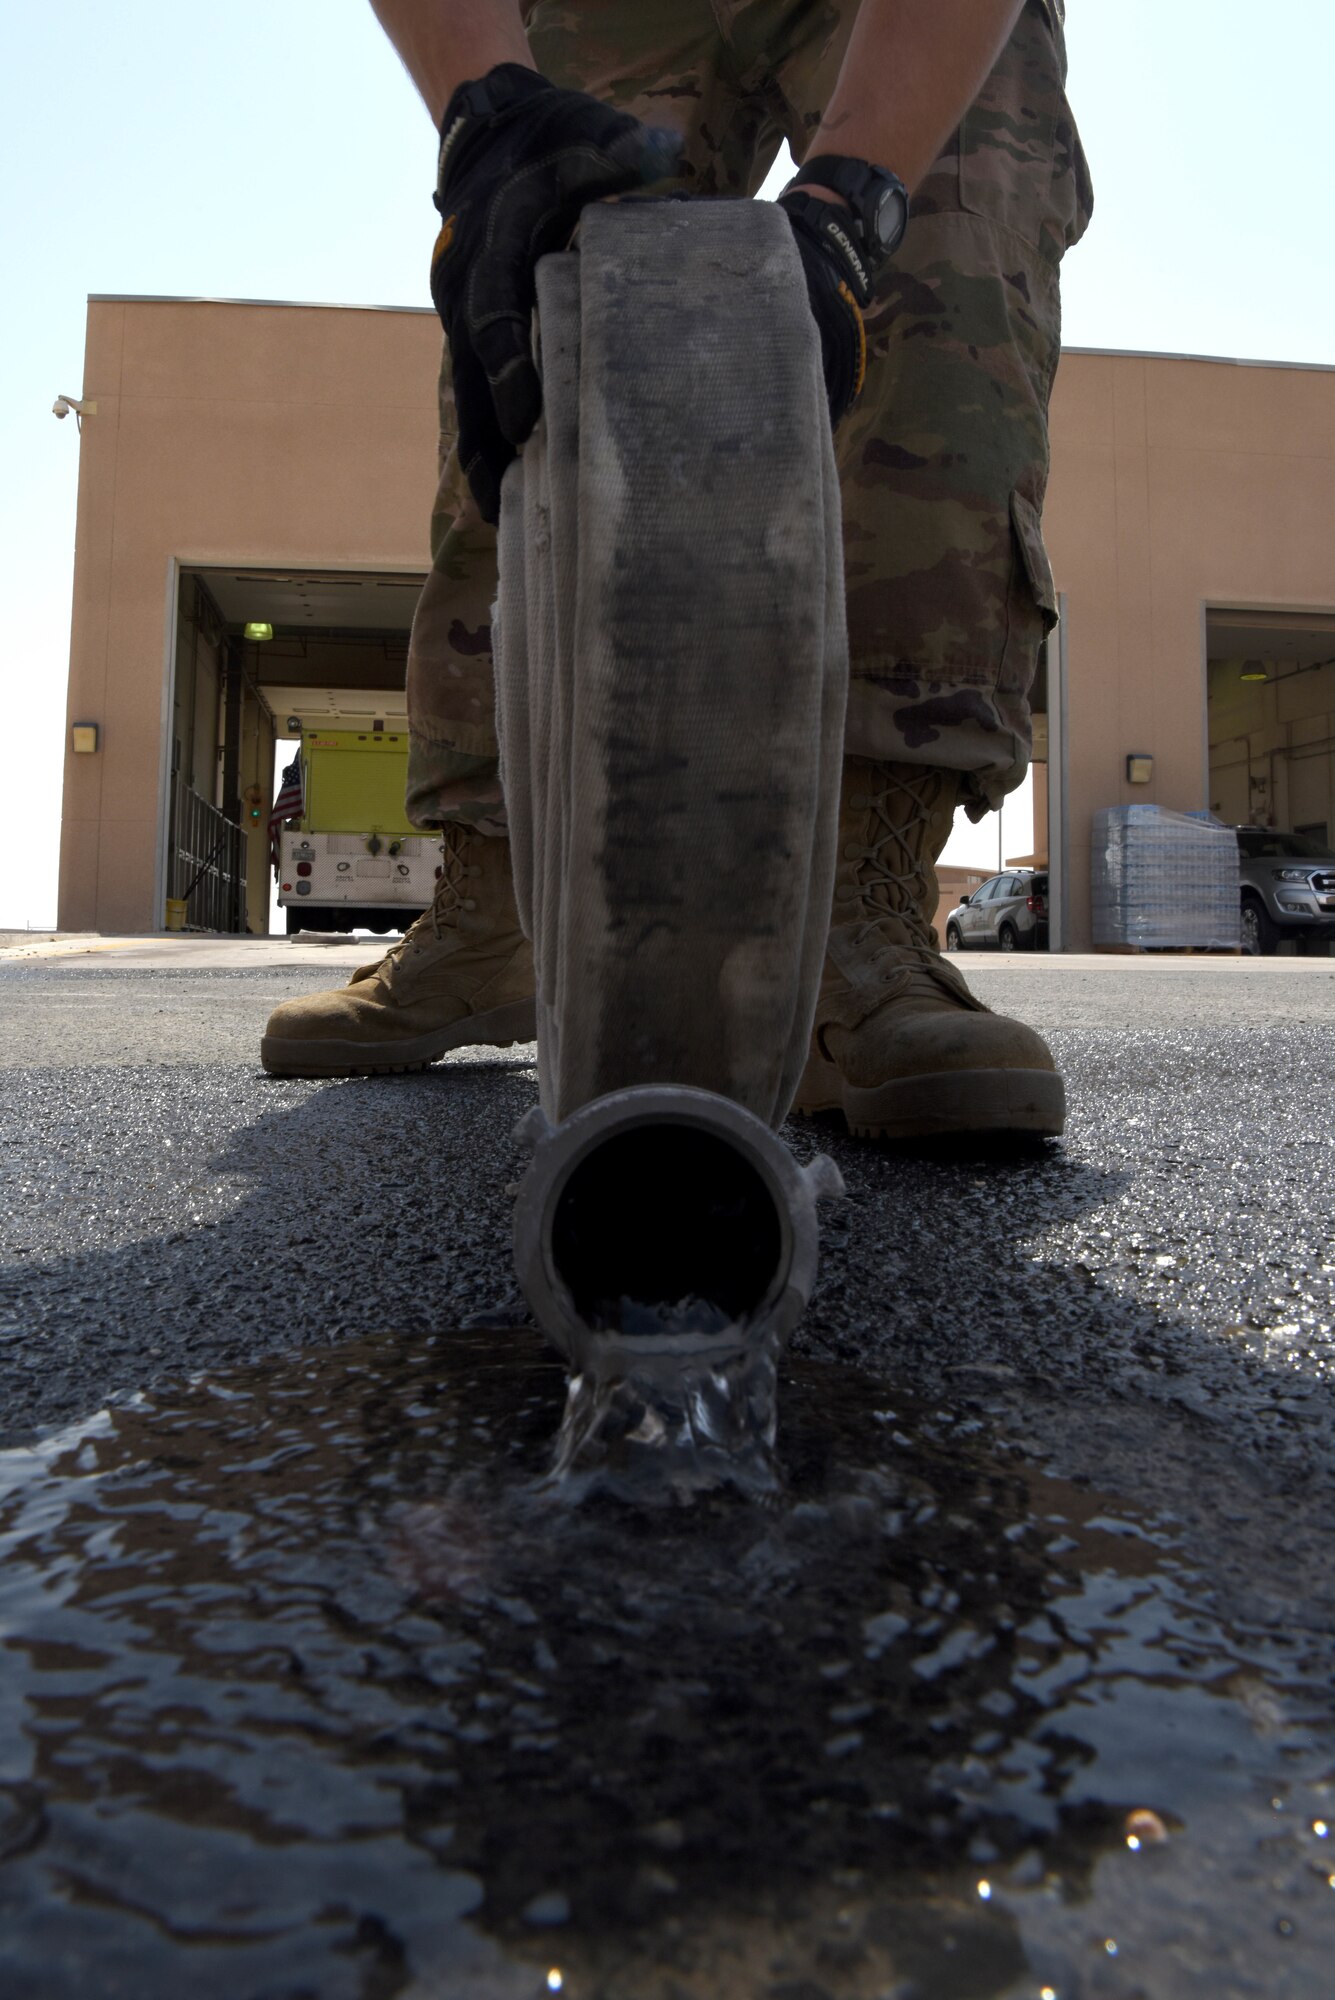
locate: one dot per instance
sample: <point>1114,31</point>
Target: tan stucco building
<point>257,462</point>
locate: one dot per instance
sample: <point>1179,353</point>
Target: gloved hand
<point>518,161</point>
<point>838,291</point>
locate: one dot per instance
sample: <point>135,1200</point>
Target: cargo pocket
<point>1033,598</point>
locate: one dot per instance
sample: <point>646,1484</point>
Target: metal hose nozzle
<point>665,1221</point>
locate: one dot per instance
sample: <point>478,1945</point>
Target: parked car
<point>1009,911</point>
<point>1288,887</point>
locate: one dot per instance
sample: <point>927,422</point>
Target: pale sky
<point>274,149</point>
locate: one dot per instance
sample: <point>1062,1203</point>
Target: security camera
<point>294,725</point>
<point>60,408</point>
<point>79,404</point>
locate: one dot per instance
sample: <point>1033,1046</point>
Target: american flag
<point>290,804</point>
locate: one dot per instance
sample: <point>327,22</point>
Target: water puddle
<point>313,1686</point>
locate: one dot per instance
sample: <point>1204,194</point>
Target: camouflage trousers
<point>943,461</point>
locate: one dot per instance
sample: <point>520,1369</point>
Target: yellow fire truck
<point>351,861</point>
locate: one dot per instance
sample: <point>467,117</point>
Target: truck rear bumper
<point>329,870</point>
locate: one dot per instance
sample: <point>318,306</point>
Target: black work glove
<point>518,161</point>
<point>838,291</point>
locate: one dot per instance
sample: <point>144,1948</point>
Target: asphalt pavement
<point>1056,1551</point>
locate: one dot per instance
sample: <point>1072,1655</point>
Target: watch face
<point>891,216</point>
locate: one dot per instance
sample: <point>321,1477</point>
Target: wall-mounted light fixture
<point>259,629</point>
<point>83,738</point>
<point>1139,768</point>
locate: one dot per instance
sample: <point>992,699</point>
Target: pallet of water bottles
<point>1163,881</point>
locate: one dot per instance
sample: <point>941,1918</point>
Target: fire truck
<point>349,860</point>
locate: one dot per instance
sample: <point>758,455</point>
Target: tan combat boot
<point>899,1043</point>
<point>462,975</point>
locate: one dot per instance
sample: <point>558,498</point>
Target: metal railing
<point>207,863</point>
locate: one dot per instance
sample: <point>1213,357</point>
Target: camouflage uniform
<point>943,461</point>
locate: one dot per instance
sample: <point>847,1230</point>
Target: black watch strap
<point>878,204</point>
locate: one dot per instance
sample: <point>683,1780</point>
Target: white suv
<point>1009,911</point>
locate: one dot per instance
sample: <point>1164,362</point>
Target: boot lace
<point>447,904</point>
<point>449,901</point>
<point>894,880</point>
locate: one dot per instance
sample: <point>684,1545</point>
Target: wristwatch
<point>877,213</point>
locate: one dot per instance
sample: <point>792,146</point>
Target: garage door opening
<point>1272,720</point>
<point>1271,702</point>
<point>265,659</point>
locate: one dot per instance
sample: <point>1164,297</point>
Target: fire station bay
<point>254,489</point>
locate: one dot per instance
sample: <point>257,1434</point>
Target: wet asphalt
<point>1056,1548</point>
